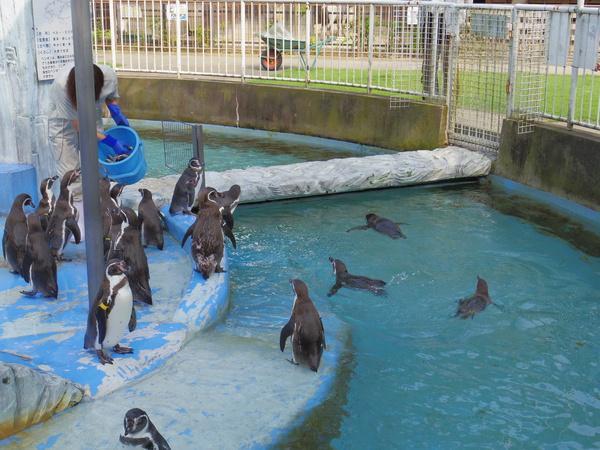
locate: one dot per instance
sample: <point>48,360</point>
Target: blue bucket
<point>130,170</point>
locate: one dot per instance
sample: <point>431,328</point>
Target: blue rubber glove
<point>118,147</point>
<point>117,115</point>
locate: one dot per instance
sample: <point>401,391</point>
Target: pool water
<point>524,373</point>
<point>234,148</point>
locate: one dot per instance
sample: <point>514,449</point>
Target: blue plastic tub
<point>130,170</point>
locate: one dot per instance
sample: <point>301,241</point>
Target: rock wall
<point>28,396</point>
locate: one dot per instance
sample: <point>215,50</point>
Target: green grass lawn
<point>478,91</point>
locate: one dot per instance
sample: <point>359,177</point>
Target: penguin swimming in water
<point>112,313</point>
<point>345,279</point>
<point>207,236</point>
<point>152,221</point>
<point>39,266</point>
<point>468,307</point>
<point>306,329</point>
<point>126,244</point>
<point>185,188</point>
<point>63,221</point>
<point>381,225</point>
<point>141,432</point>
<point>15,233</point>
<point>46,205</point>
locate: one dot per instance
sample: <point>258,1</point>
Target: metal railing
<point>485,62</point>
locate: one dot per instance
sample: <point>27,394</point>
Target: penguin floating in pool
<point>141,432</point>
<point>306,329</point>
<point>468,307</point>
<point>381,225</point>
<point>112,313</point>
<point>152,221</point>
<point>207,235</point>
<point>63,221</point>
<point>39,266</point>
<point>15,233</point>
<point>46,205</point>
<point>185,188</point>
<point>344,279</point>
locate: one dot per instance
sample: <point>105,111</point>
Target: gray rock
<point>29,396</point>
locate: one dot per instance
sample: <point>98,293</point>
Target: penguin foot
<point>103,357</point>
<point>219,269</point>
<point>14,272</point>
<point>122,350</point>
<point>63,259</point>
<point>291,361</point>
<point>29,293</point>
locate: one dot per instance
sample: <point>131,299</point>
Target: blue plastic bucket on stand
<point>130,170</point>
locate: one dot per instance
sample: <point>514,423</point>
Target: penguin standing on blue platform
<point>152,221</point>
<point>15,233</point>
<point>46,205</point>
<point>39,266</point>
<point>185,188</point>
<point>63,221</point>
<point>112,313</point>
<point>141,432</point>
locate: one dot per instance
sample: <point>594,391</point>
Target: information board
<point>53,36</point>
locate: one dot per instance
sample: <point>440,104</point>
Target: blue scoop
<point>129,170</point>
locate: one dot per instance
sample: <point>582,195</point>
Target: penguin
<point>152,221</point>
<point>468,307</point>
<point>115,193</point>
<point>141,432</point>
<point>39,266</point>
<point>15,234</point>
<point>306,329</point>
<point>46,205</point>
<point>112,313</point>
<point>63,221</point>
<point>382,225</point>
<point>228,201</point>
<point>126,244</point>
<point>207,235</point>
<point>106,205</point>
<point>185,188</point>
<point>345,279</point>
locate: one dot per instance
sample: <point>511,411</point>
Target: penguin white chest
<point>118,319</point>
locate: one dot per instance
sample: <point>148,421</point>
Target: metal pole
<point>512,64</point>
<point>307,45</point>
<point>198,144</point>
<point>574,74</point>
<point>371,26</point>
<point>113,41</point>
<point>178,40</point>
<point>243,32</point>
<point>88,145</point>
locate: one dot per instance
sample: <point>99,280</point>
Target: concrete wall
<point>366,119</point>
<point>553,159</point>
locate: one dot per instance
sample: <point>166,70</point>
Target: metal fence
<point>485,62</point>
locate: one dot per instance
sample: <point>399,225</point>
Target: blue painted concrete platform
<point>48,334</point>
<point>14,180</point>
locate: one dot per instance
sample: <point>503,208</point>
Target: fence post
<point>198,145</point>
<point>178,40</point>
<point>243,31</point>
<point>452,43</point>
<point>307,45</point>
<point>512,64</point>
<point>574,73</point>
<point>113,40</point>
<point>371,26</point>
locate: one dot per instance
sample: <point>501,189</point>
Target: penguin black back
<point>345,279</point>
<point>15,233</point>
<point>185,188</point>
<point>47,202</point>
<point>39,266</point>
<point>63,221</point>
<point>152,220</point>
<point>476,303</point>
<point>141,432</point>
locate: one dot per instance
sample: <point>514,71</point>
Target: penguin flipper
<point>188,233</point>
<point>72,226</point>
<point>144,442</point>
<point>163,221</point>
<point>4,242</point>
<point>26,265</point>
<point>101,319</point>
<point>322,334</point>
<point>132,320</point>
<point>360,227</point>
<point>286,332</point>
<point>229,233</point>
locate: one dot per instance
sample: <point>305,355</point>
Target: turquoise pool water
<point>524,374</point>
<point>234,148</point>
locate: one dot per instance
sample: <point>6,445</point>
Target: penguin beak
<point>29,202</point>
<point>54,178</point>
<point>123,267</point>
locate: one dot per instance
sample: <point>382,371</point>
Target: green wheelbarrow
<point>279,40</point>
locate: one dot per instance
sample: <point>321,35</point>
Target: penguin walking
<point>382,225</point>
<point>345,279</point>
<point>468,307</point>
<point>46,205</point>
<point>207,236</point>
<point>64,218</point>
<point>126,244</point>
<point>112,313</point>
<point>39,266</point>
<point>15,233</point>
<point>185,188</point>
<point>152,221</point>
<point>306,329</point>
<point>141,432</point>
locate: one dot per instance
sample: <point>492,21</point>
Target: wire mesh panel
<point>177,144</point>
<point>480,76</point>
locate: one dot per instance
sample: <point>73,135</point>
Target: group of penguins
<point>33,245</point>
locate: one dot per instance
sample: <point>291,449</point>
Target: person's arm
<point>115,112</point>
